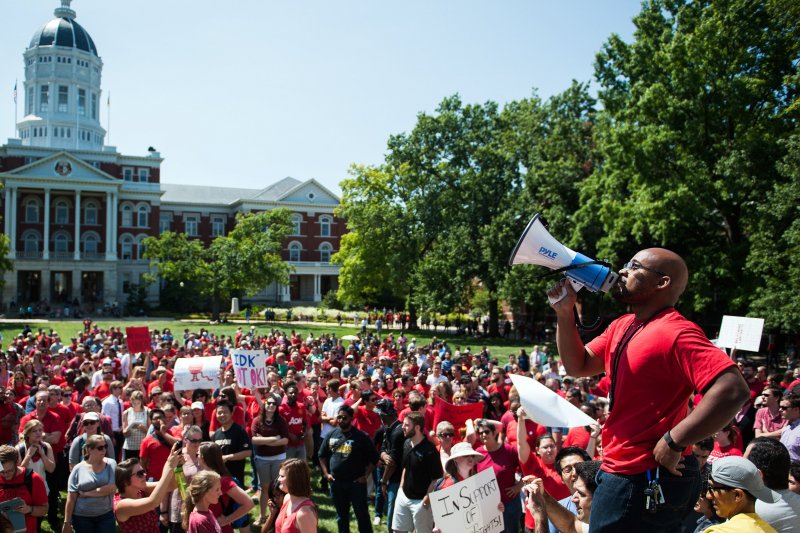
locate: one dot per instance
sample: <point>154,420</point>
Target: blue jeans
<point>391,496</point>
<point>344,494</point>
<point>380,497</point>
<point>512,515</point>
<point>618,502</point>
<point>94,524</point>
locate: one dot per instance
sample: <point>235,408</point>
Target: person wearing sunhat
<point>733,489</point>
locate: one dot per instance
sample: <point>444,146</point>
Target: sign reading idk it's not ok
<point>250,368</point>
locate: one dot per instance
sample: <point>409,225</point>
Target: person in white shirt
<point>772,459</point>
<point>330,408</point>
<point>112,407</point>
<point>436,377</point>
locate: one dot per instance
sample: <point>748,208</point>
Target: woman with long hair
<point>36,454</point>
<point>493,407</point>
<point>137,381</point>
<point>270,437</point>
<point>275,502</point>
<point>90,490</point>
<point>298,513</point>
<point>203,493</point>
<point>135,506</point>
<point>725,443</point>
<point>235,503</point>
<point>134,425</point>
<point>5,373</point>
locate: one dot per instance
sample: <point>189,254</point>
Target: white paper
<point>197,372</point>
<point>547,408</point>
<point>250,368</point>
<point>741,333</point>
<point>470,505</point>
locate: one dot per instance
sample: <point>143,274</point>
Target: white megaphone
<point>538,247</point>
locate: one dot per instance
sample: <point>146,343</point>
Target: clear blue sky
<point>246,92</point>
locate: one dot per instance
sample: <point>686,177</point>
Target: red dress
<point>285,523</point>
<point>143,523</point>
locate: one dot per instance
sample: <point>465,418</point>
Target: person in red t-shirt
<point>656,359</point>
<point>296,416</point>
<point>52,422</point>
<point>366,419</point>
<point>12,485</point>
<point>541,464</point>
<point>155,448</point>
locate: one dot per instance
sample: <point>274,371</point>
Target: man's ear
<point>664,282</point>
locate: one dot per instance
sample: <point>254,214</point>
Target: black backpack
<point>27,482</point>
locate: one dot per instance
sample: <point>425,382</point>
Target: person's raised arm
<point>577,360</point>
<point>564,520</point>
<point>523,448</point>
<point>128,507</point>
<point>721,401</point>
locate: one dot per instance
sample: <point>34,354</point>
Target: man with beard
<point>656,359</point>
<point>347,457</point>
<point>296,416</point>
<point>421,469</point>
<point>544,507</point>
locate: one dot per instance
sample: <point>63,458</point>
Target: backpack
<point>27,482</point>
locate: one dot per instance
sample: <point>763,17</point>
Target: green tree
<point>695,109</point>
<point>245,261</point>
<point>5,262</point>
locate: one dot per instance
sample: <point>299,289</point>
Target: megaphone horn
<point>537,247</point>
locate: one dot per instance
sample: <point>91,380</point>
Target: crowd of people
<point>86,416</point>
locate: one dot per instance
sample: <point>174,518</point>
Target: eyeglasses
<point>446,435</point>
<point>342,417</point>
<point>100,448</point>
<point>273,404</point>
<point>89,422</point>
<point>140,473</point>
<point>633,266</point>
<point>784,407</point>
<point>712,488</point>
<point>484,432</point>
<point>194,441</point>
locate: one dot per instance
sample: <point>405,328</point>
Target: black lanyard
<point>621,347</point>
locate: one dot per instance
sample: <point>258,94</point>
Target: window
<point>31,210</point>
<point>94,105</point>
<point>296,220</point>
<point>141,219</point>
<point>164,222</point>
<point>217,227</point>
<point>144,175</point>
<point>62,212</point>
<point>294,252</point>
<point>127,174</point>
<point>44,98</point>
<point>29,103</point>
<point>82,102</point>
<point>325,226</point>
<point>90,213</point>
<point>325,250</point>
<point>61,241</point>
<point>90,244</point>
<point>140,247</point>
<point>126,282</point>
<point>191,225</point>
<point>127,215</point>
<point>30,242</point>
<point>63,98</point>
<point>127,248</point>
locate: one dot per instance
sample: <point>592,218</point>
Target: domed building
<point>76,210</point>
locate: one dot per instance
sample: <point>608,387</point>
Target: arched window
<point>61,243</point>
<point>31,210</point>
<point>127,215</point>
<point>91,243</point>
<point>31,240</point>
<point>294,252</point>
<point>325,250</point>
<point>325,226</point>
<point>140,247</point>
<point>141,216</point>
<point>62,212</point>
<point>90,211</point>
<point>296,221</point>
<point>127,247</point>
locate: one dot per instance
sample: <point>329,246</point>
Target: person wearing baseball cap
<point>733,489</point>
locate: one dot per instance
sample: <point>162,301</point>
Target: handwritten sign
<point>250,368</point>
<point>456,414</point>
<point>197,373</point>
<point>740,332</point>
<point>470,506</point>
<point>138,339</point>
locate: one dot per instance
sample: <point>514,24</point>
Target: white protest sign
<point>740,332</point>
<point>197,373</point>
<point>250,368</point>
<point>469,506</point>
<point>547,408</point>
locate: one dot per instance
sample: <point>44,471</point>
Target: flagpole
<point>15,108</point>
<point>109,117</point>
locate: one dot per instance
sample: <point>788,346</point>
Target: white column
<point>9,221</point>
<point>77,225</point>
<point>286,294</point>
<point>114,223</point>
<point>109,247</point>
<point>317,288</point>
<point>46,253</point>
<point>12,236</point>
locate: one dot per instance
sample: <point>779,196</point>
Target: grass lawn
<point>500,348</point>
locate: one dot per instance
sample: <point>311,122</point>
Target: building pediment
<point>61,167</point>
<point>309,192</point>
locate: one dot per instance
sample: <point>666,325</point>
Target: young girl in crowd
<point>203,492</point>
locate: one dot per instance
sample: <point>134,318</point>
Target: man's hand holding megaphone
<point>562,297</point>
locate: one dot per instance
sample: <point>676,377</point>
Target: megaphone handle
<point>577,285</point>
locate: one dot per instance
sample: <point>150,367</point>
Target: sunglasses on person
<point>716,488</point>
<point>446,435</point>
<point>194,441</point>
<point>140,473</point>
<point>633,266</point>
<point>100,448</point>
<point>89,422</point>
<point>273,404</point>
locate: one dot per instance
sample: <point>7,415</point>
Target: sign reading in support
<point>740,333</point>
<point>250,368</point>
<point>138,339</point>
<point>469,506</point>
<point>197,372</point>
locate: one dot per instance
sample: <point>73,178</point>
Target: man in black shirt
<point>347,457</point>
<point>421,468</point>
<point>233,440</point>
<point>391,455</point>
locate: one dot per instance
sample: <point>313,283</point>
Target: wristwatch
<point>671,443</point>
